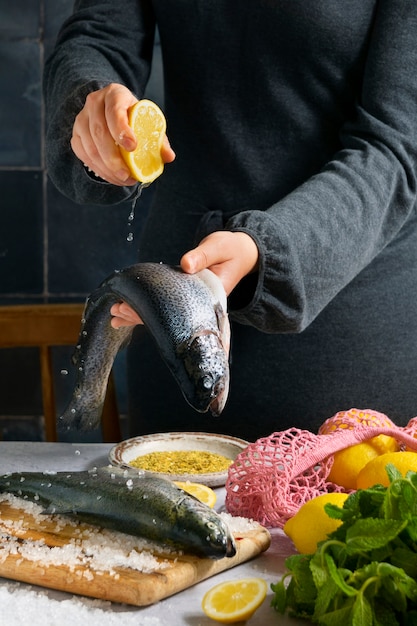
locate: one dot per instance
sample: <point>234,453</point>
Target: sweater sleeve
<point>315,240</point>
<point>101,42</point>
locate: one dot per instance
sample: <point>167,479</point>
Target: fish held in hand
<point>186,315</point>
<point>129,501</point>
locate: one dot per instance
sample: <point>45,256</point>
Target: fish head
<point>220,542</point>
<point>207,531</point>
<point>207,367</point>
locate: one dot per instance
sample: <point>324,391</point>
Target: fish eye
<point>207,382</point>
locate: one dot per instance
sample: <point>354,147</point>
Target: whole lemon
<point>311,523</point>
<point>349,462</point>
<point>374,472</point>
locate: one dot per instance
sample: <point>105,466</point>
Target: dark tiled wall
<point>51,250</point>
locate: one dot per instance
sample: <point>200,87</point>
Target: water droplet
<point>64,372</point>
<point>130,237</point>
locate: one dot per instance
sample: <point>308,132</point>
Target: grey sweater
<point>297,123</point>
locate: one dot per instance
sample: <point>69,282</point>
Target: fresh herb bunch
<point>365,573</point>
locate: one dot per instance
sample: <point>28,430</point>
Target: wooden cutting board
<point>124,584</point>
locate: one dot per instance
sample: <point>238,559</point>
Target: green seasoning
<point>182,462</point>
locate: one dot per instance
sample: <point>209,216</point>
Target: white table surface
<point>22,604</point>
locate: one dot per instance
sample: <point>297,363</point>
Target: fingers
<point>124,315</point>
<point>229,255</point>
<point>211,251</point>
<point>99,128</point>
<point>167,153</point>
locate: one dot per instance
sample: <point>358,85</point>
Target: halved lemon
<point>234,600</point>
<point>202,492</point>
<point>149,126</point>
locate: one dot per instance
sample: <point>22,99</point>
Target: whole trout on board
<point>129,501</point>
<point>187,316</point>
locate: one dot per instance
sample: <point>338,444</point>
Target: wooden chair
<point>43,326</point>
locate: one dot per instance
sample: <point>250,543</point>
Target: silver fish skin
<point>187,317</point>
<point>129,501</point>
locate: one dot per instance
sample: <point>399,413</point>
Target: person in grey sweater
<point>294,126</point>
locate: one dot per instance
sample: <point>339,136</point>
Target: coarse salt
<point>99,550</point>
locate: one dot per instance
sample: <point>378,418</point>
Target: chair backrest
<point>44,326</point>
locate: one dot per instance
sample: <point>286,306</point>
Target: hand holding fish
<point>229,255</point>
<point>187,316</point>
<point>102,125</point>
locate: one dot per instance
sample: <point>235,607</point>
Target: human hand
<point>101,126</point>
<point>124,315</point>
<point>229,255</point>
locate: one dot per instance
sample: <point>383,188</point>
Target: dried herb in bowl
<point>182,462</point>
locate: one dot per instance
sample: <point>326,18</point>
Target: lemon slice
<point>202,492</point>
<point>149,126</point>
<point>234,600</point>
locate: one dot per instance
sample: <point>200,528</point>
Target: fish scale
<point>129,501</point>
<point>187,317</point>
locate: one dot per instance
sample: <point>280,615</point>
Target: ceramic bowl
<point>126,451</point>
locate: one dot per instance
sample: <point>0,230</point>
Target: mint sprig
<point>365,573</point>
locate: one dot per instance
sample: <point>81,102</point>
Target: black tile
<point>21,233</point>
<point>20,388</point>
<point>20,110</point>
<point>19,19</point>
<point>87,243</point>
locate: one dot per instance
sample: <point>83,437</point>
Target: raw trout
<point>130,501</point>
<point>185,314</point>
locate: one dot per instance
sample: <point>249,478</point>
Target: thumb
<point>194,260</point>
<point>117,105</point>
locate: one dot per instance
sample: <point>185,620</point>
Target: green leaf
<point>301,591</point>
<point>384,615</point>
<point>333,511</point>
<point>397,586</point>
<point>362,613</point>
<point>318,569</point>
<point>411,530</point>
<point>340,617</point>
<point>369,534</point>
<point>325,598</point>
<point>406,559</point>
<point>393,472</point>
<point>279,600</point>
<point>412,477</point>
<point>338,575</point>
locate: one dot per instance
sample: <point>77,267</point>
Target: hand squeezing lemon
<point>149,126</point>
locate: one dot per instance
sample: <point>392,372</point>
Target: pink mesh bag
<point>275,475</point>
